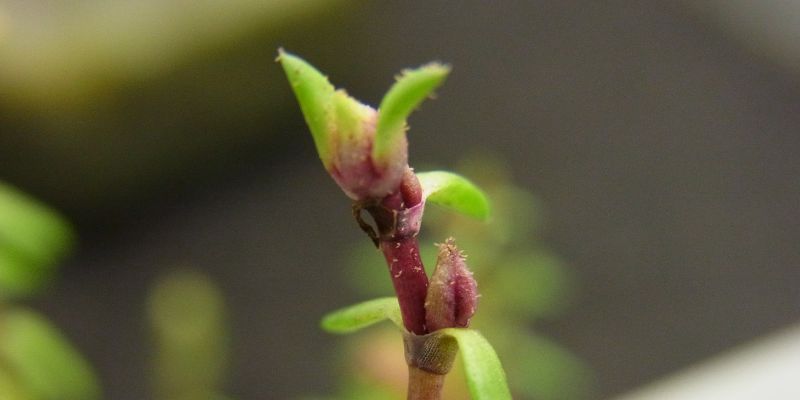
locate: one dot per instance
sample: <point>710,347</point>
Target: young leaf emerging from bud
<point>365,150</point>
<point>453,293</point>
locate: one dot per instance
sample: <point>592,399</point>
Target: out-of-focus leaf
<point>541,369</point>
<point>362,315</point>
<point>533,285</point>
<point>33,238</point>
<point>10,389</point>
<point>187,315</point>
<point>411,88</point>
<point>42,360</point>
<point>454,192</point>
<point>486,379</point>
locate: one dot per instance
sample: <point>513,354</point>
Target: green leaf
<point>454,192</point>
<point>42,360</point>
<point>485,377</point>
<point>187,314</point>
<point>33,239</point>
<point>403,97</point>
<point>362,315</point>
<point>314,93</point>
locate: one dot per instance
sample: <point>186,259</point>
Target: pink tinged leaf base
<point>351,164</point>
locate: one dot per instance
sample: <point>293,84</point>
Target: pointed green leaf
<point>362,315</point>
<point>404,96</point>
<point>455,192</point>
<point>485,377</point>
<point>43,361</point>
<point>314,93</point>
<point>33,239</point>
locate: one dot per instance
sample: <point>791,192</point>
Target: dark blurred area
<point>661,138</point>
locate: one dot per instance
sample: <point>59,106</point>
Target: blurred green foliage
<point>33,239</point>
<point>520,282</point>
<point>185,309</point>
<point>79,51</point>
<point>189,325</point>
<point>105,105</point>
<point>36,361</point>
<point>41,362</point>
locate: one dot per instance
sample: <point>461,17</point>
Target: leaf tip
<point>327,325</point>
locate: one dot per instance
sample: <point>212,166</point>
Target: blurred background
<point>659,141</point>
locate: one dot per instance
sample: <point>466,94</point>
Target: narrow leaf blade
<point>485,377</point>
<point>454,192</point>
<point>362,315</point>
<point>314,93</point>
<point>402,98</point>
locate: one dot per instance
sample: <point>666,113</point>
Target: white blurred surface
<point>765,369</point>
<point>769,28</point>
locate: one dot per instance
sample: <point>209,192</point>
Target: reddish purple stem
<point>397,219</point>
<point>409,279</point>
